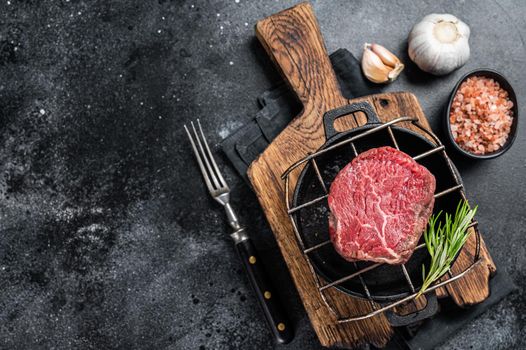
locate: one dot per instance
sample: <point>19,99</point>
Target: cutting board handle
<point>293,40</point>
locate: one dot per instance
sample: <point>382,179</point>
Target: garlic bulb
<point>439,43</point>
<point>379,65</point>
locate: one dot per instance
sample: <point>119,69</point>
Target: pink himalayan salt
<point>481,115</point>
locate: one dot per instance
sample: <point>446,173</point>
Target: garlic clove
<point>387,57</point>
<point>379,65</point>
<point>395,72</point>
<point>373,67</point>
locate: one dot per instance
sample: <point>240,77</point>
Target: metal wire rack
<point>322,285</point>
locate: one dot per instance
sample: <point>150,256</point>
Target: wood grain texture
<point>293,40</point>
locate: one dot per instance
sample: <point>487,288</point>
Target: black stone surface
<point>108,238</point>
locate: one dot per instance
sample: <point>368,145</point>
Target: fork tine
<point>198,156</point>
<point>205,158</point>
<point>216,168</point>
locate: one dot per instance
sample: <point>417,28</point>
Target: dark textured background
<point>107,236</point>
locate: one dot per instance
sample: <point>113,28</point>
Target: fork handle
<point>279,325</point>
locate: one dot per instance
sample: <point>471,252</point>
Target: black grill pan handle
<point>330,117</point>
<point>404,320</point>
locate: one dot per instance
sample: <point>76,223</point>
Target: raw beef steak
<point>380,204</point>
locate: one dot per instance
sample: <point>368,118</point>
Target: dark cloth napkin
<point>278,106</point>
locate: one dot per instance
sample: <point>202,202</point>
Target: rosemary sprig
<point>445,241</point>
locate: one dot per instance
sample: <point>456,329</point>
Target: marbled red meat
<point>380,204</point>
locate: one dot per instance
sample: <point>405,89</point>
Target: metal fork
<point>215,182</point>
<point>218,188</point>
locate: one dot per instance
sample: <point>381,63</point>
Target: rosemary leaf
<point>444,241</point>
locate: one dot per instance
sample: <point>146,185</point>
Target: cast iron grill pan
<point>387,282</point>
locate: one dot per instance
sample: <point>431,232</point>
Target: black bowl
<point>488,73</point>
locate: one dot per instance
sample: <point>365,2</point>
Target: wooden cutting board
<point>293,40</point>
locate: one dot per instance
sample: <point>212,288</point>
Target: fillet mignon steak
<point>380,204</point>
